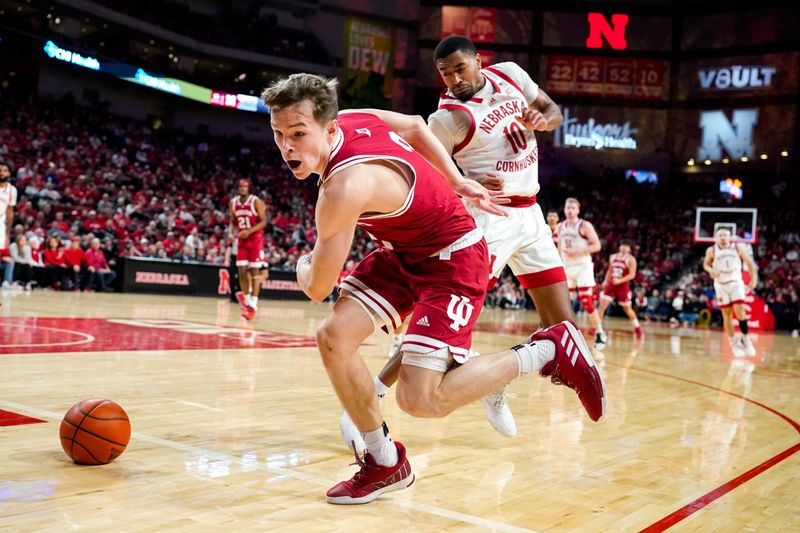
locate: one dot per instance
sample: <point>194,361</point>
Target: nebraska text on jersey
<point>509,109</point>
<point>484,134</point>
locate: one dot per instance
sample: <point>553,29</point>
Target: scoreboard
<point>606,76</point>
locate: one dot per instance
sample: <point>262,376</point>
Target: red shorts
<point>250,253</point>
<point>444,297</point>
<point>621,292</point>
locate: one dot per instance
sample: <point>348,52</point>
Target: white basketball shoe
<point>747,345</point>
<point>397,342</point>
<point>499,413</point>
<point>737,347</point>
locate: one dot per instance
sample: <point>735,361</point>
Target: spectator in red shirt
<point>77,263</point>
<point>55,267</point>
<point>93,223</point>
<point>170,244</point>
<point>98,267</point>
<point>281,222</point>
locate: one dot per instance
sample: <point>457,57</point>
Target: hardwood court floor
<point>236,429</point>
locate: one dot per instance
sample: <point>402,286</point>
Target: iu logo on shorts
<point>459,311</point>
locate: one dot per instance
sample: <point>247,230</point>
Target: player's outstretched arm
<point>339,205</point>
<point>414,130</point>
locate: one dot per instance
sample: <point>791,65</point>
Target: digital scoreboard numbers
<point>649,78</point>
<point>605,76</point>
<point>589,75</point>
<point>619,77</point>
<point>561,74</point>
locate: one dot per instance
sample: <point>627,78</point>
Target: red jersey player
<point>621,271</point>
<point>486,120</point>
<point>431,263</point>
<point>248,217</point>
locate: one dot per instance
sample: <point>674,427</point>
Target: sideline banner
<point>199,279</point>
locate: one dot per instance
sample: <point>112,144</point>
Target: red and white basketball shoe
<point>372,480</point>
<point>574,367</point>
<point>249,313</point>
<point>241,300</point>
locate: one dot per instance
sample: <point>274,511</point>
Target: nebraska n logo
<point>735,136</point>
<point>459,311</point>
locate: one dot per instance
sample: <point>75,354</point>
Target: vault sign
<point>735,135</point>
<point>736,77</point>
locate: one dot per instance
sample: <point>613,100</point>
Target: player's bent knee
<point>418,390</point>
<point>421,404</point>
<point>328,340</point>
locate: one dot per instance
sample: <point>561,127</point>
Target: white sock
<point>247,300</point>
<point>380,446</point>
<point>254,302</point>
<point>599,328</point>
<point>635,322</point>
<point>532,356</point>
<point>380,388</point>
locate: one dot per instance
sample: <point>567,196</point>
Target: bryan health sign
<point>591,133</point>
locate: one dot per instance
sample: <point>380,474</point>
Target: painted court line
<point>86,339</point>
<point>294,474</point>
<point>718,492</point>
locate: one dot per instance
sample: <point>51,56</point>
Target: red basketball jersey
<point>431,218</point>
<point>619,268</point>
<point>246,214</point>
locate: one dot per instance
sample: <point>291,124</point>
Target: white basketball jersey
<point>570,239</point>
<point>727,263</point>
<point>8,197</point>
<point>493,141</point>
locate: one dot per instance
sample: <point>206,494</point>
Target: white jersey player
<point>577,241</point>
<point>8,199</point>
<point>723,262</point>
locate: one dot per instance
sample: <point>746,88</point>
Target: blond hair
<point>572,200</point>
<point>320,91</point>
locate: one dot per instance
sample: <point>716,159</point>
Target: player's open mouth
<point>293,164</point>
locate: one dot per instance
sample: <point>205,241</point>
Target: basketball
<point>95,432</point>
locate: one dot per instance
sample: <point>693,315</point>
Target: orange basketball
<point>95,432</point>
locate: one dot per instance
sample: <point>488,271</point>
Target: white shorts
<point>580,276</point>
<point>730,293</point>
<point>3,234</point>
<point>524,242</point>
<point>440,360</point>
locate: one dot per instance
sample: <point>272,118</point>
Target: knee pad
<point>586,300</point>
